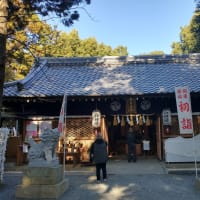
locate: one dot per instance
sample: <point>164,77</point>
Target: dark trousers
<point>99,167</point>
<point>131,152</point>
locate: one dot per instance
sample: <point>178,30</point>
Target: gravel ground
<point>117,187</point>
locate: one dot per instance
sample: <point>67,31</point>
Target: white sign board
<point>166,115</point>
<point>184,110</point>
<point>181,149</point>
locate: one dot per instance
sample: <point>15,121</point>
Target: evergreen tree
<point>9,11</point>
<point>120,51</point>
<point>189,37</point>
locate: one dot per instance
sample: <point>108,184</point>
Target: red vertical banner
<point>184,110</point>
<point>61,122</point>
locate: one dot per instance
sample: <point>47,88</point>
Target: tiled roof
<point>108,76</point>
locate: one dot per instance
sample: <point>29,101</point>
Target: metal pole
<point>64,134</point>
<point>64,155</point>
<point>195,157</point>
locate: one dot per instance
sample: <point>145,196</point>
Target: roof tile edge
<point>141,59</point>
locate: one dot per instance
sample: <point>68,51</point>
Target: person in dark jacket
<point>131,142</point>
<point>99,155</point>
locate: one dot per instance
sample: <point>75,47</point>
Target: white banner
<point>184,110</point>
<point>61,121</point>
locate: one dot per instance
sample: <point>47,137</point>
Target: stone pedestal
<point>42,183</point>
<point>197,183</point>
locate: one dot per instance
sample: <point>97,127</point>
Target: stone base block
<point>42,175</point>
<point>42,183</point>
<point>197,183</point>
<point>42,191</point>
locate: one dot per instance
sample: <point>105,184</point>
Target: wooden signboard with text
<point>184,110</point>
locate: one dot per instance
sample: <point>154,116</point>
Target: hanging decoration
<point>115,123</point>
<point>137,120</point>
<point>96,119</point>
<point>140,120</point>
<point>131,106</point>
<point>118,119</point>
<point>127,119</point>
<point>143,119</point>
<point>148,122</point>
<point>123,123</point>
<point>131,121</point>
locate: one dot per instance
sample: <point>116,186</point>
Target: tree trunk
<point>3,36</point>
<point>2,68</point>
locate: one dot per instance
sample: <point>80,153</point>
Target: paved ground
<point>136,187</point>
<point>145,179</point>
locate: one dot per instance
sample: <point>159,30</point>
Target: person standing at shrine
<point>131,142</point>
<point>99,155</point>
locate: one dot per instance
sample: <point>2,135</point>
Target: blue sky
<point>142,26</point>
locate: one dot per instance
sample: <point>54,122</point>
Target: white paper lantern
<point>96,119</point>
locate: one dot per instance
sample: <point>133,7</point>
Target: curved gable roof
<point>108,76</point>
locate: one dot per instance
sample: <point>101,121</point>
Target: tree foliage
<point>71,45</point>
<point>66,10</point>
<point>197,4</point>
<point>24,45</point>
<point>189,37</point>
<point>39,39</point>
<point>156,52</point>
<point>15,13</point>
<point>29,37</point>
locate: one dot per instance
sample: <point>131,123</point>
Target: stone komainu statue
<point>44,153</point>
